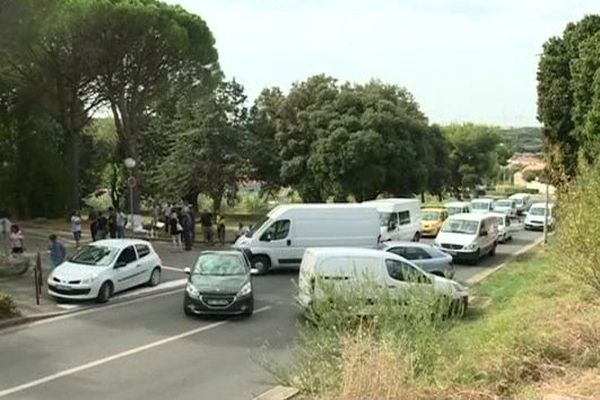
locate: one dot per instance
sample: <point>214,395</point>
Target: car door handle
<point>289,242</point>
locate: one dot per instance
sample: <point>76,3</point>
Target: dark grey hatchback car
<point>219,283</point>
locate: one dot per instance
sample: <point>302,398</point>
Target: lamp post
<point>130,165</point>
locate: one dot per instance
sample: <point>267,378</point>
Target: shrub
<point>8,308</point>
<point>578,232</point>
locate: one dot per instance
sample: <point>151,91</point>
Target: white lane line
<point>172,268</point>
<point>178,283</point>
<point>114,357</point>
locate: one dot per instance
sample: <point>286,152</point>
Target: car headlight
<point>89,280</point>
<point>471,246</point>
<point>191,290</point>
<point>246,289</point>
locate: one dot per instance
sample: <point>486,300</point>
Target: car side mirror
<point>120,264</point>
<point>187,271</point>
<point>526,213</point>
<point>483,233</point>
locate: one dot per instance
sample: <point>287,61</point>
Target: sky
<point>463,60</point>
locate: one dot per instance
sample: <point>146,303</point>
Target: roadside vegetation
<point>8,308</point>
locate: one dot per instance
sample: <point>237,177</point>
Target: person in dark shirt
<point>102,226</point>
<point>206,221</point>
<point>112,223</point>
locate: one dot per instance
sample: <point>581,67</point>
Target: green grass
<point>539,327</point>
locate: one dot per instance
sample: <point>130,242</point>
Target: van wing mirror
<point>483,233</point>
<point>187,271</point>
<point>120,264</point>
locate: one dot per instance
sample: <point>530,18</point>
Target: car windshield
<point>257,226</point>
<point>503,203</point>
<point>480,205</point>
<point>95,255</point>
<point>219,265</point>
<point>536,211</point>
<point>460,226</point>
<point>454,210</point>
<point>384,218</point>
<point>430,215</point>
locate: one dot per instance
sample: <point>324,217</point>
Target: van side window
<point>392,222</point>
<point>403,272</point>
<point>404,218</point>
<point>277,231</point>
<point>507,222</point>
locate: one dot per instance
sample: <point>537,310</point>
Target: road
<point>146,348</point>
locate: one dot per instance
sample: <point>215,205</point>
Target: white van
<point>458,207</point>
<point>352,267</point>
<point>400,219</point>
<point>505,226</point>
<point>535,217</point>
<point>280,238</point>
<point>482,206</point>
<point>522,201</point>
<point>468,236</point>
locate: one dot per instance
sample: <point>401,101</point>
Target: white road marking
<point>114,357</point>
<point>172,268</point>
<point>178,283</point>
<point>68,306</point>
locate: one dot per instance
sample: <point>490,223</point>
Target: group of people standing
<point>102,227</point>
<point>181,226</point>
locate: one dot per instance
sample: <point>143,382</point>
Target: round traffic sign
<point>131,182</point>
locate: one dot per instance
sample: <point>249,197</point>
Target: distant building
<point>527,161</point>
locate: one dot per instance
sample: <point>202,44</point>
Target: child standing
<point>57,251</point>
<point>16,240</point>
<point>76,227</point>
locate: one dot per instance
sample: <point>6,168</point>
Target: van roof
<point>518,196</point>
<point>396,200</point>
<point>497,214</point>
<point>346,251</point>
<point>389,205</point>
<point>469,216</point>
<point>457,204</point>
<point>280,209</point>
<point>484,200</point>
<point>542,205</point>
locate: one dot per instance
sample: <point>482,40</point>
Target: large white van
<point>354,268</point>
<point>280,238</point>
<point>400,219</point>
<point>468,236</point>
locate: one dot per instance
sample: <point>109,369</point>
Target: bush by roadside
<point>8,308</point>
<point>539,334</point>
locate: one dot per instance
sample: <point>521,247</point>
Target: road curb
<point>278,393</point>
<point>23,320</point>
<point>475,279</point>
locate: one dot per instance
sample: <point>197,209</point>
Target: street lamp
<point>130,165</point>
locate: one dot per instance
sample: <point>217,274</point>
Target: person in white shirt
<point>121,222</point>
<point>76,227</point>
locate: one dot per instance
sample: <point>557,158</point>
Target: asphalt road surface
<point>146,347</point>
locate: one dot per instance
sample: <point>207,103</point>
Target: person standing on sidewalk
<point>121,222</point>
<point>168,210</point>
<point>76,227</point>
<point>186,223</point>
<point>221,229</point>
<point>102,226</point>
<point>93,218</point>
<point>155,219</point>
<point>206,221</point>
<point>112,223</point>
<point>16,240</point>
<point>175,228</point>
<point>57,252</point>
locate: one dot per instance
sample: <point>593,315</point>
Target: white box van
<point>522,201</point>
<point>280,238</point>
<point>468,236</point>
<point>354,268</point>
<point>400,219</point>
<point>458,207</point>
<point>482,206</point>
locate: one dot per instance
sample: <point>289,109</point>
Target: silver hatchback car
<point>427,257</point>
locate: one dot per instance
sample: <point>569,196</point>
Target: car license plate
<point>63,287</point>
<point>451,252</point>
<point>218,302</point>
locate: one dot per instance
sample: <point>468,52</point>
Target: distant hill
<point>524,139</point>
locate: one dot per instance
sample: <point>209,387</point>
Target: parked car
<point>458,207</point>
<point>505,226</point>
<point>482,206</point>
<point>103,268</point>
<point>535,217</point>
<point>432,220</point>
<point>400,219</point>
<point>280,238</point>
<point>506,206</point>
<point>349,268</point>
<point>427,257</point>
<point>522,202</point>
<point>220,282</point>
<point>468,236</point>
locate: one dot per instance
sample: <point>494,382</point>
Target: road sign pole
<point>131,200</point>
<point>546,215</point>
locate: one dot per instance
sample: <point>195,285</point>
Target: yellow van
<point>432,220</point>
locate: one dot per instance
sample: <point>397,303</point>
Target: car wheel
<point>187,311</point>
<point>261,264</point>
<point>154,277</point>
<point>250,310</point>
<point>477,257</point>
<point>106,290</point>
<point>417,237</point>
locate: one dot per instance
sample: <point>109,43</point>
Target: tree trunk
<point>74,170</point>
<point>422,197</point>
